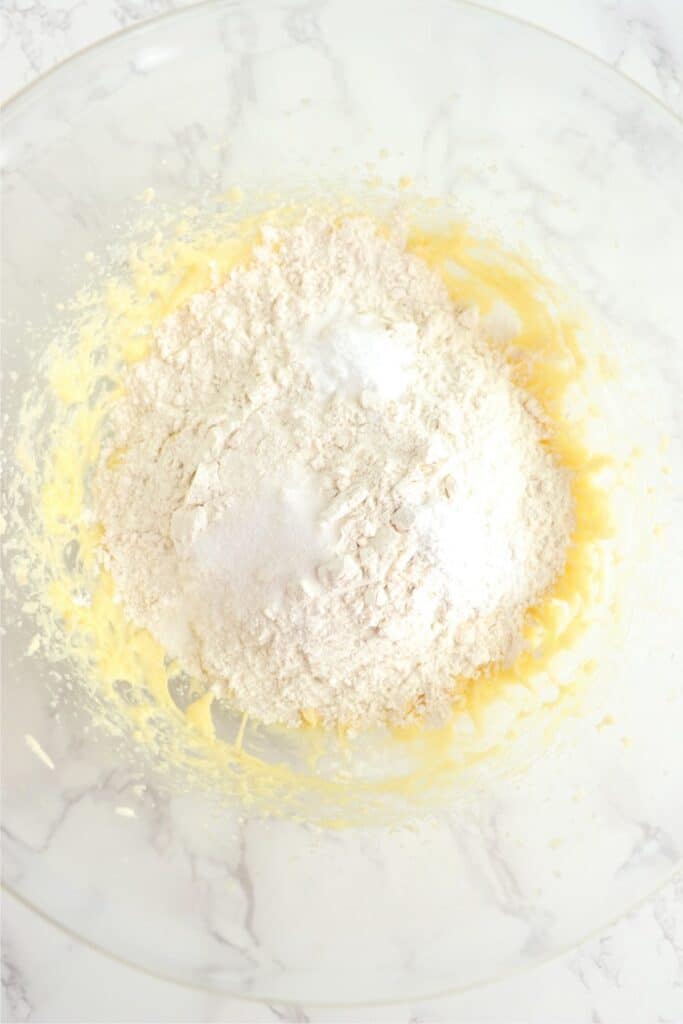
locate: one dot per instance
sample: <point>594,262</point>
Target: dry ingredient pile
<point>323,493</point>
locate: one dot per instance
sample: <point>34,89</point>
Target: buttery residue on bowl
<point>306,428</point>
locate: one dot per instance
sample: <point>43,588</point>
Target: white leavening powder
<point>328,495</point>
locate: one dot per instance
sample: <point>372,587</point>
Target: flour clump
<point>323,491</point>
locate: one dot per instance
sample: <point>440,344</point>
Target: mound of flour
<point>328,498</point>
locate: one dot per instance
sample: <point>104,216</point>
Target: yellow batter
<point>125,671</point>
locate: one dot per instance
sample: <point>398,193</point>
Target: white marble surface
<point>642,38</point>
<point>633,972</point>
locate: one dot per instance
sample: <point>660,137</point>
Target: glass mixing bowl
<point>537,141</point>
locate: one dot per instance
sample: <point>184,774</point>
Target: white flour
<point>328,496</point>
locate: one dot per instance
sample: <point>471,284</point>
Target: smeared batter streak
<point>126,674</point>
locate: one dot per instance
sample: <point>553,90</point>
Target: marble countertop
<point>632,972</point>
